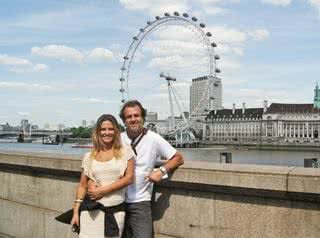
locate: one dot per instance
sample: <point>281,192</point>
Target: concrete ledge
<point>237,175</point>
<point>287,183</point>
<point>200,200</point>
<point>276,178</point>
<point>42,160</point>
<point>304,180</point>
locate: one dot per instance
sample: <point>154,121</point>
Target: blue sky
<point>60,60</point>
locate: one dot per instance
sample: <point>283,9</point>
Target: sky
<point>60,60</point>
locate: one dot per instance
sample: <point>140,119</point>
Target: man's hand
<point>92,184</point>
<point>95,192</point>
<point>155,176</point>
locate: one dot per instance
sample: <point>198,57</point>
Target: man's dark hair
<point>133,103</point>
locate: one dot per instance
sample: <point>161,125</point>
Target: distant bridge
<point>35,133</point>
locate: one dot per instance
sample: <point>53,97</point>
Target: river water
<point>265,157</point>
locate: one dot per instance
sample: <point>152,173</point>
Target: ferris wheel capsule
<point>194,19</point>
<point>209,34</point>
<point>141,30</point>
<point>123,68</point>
<point>213,44</point>
<point>148,22</point>
<point>157,18</point>
<point>167,14</point>
<point>217,57</point>
<point>176,14</point>
<point>122,90</point>
<point>202,25</point>
<point>185,15</point>
<point>125,57</point>
<point>218,70</point>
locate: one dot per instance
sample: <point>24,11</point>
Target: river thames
<point>239,156</point>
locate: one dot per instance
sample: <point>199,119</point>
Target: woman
<point>110,166</point>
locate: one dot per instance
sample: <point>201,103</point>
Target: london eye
<point>204,39</point>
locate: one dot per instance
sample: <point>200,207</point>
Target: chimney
<point>265,105</point>
<point>233,108</point>
<point>243,107</point>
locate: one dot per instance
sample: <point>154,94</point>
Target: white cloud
<point>156,7</point>
<point>316,4</point>
<point>69,54</point>
<point>227,64</point>
<point>100,54</point>
<point>14,61</point>
<point>223,34</point>
<point>60,52</point>
<point>89,100</point>
<point>32,68</point>
<point>25,86</point>
<point>230,82</point>
<point>215,10</point>
<point>174,47</point>
<point>169,62</point>
<point>254,97</point>
<point>259,35</point>
<point>180,85</point>
<point>174,32</point>
<point>23,113</point>
<point>278,2</point>
<point>180,64</point>
<point>20,65</point>
<point>237,50</point>
<point>40,67</point>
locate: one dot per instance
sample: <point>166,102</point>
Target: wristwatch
<point>163,170</point>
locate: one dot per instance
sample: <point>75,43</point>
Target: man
<point>148,147</point>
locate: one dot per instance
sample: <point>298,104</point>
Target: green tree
<point>81,132</point>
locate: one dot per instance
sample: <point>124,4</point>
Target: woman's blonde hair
<point>98,144</point>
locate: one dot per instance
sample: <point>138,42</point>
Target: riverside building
<point>242,124</point>
<point>279,122</point>
<point>199,88</point>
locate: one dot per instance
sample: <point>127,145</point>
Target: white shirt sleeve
<point>85,164</point>
<point>164,149</point>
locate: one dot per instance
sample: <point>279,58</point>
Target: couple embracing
<point>114,194</point>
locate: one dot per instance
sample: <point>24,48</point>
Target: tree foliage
<point>81,132</point>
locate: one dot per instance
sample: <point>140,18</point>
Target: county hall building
<point>279,122</point>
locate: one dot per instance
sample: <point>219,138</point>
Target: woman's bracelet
<point>78,200</point>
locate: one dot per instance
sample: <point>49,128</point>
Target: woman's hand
<point>95,192</point>
<point>75,219</point>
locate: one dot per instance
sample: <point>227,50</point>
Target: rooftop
<point>227,113</point>
<point>292,108</point>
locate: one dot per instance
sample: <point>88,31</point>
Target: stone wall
<point>200,199</point>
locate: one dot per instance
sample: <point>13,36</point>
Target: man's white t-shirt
<point>150,149</point>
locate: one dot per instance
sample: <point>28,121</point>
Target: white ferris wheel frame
<point>147,30</point>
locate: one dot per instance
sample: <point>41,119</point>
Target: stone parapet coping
<point>257,180</point>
